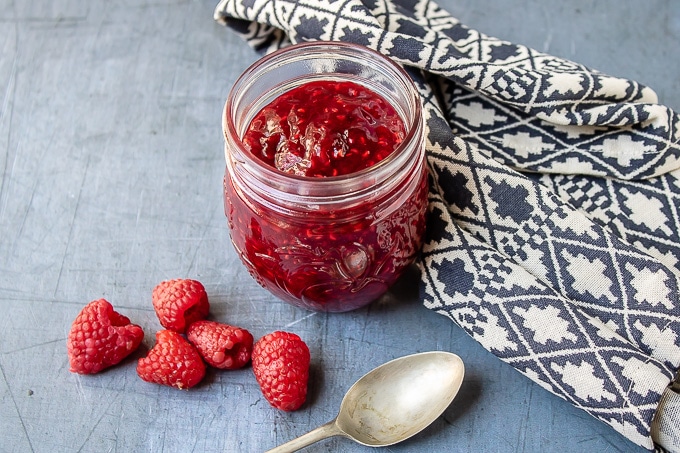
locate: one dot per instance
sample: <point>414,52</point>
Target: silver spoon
<point>393,402</point>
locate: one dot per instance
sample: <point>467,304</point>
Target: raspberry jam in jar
<point>325,187</point>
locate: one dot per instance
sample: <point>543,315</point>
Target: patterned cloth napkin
<point>553,236</point>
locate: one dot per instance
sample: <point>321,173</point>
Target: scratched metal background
<point>111,165</point>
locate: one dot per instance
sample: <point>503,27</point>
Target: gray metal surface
<point>111,166</point>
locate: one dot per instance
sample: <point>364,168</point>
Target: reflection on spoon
<point>393,402</point>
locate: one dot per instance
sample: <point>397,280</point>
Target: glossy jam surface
<point>335,258</point>
<point>325,128</point>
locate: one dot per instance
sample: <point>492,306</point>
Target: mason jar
<point>333,243</point>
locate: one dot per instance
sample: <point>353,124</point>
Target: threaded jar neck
<point>290,67</point>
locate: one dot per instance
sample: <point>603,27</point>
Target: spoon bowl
<point>392,402</point>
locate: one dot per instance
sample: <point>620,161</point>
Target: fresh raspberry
<point>173,361</point>
<point>180,302</point>
<point>281,367</point>
<point>221,345</point>
<point>100,337</point>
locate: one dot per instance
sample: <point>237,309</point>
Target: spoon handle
<point>330,429</point>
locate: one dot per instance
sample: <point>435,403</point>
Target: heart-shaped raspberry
<point>100,337</point>
<point>173,361</point>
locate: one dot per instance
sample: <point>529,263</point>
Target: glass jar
<point>331,243</point>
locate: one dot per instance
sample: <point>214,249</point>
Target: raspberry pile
<point>100,337</point>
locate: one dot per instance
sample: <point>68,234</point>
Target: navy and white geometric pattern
<point>554,226</point>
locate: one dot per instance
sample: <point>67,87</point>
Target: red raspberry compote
<point>325,128</point>
<point>325,185</point>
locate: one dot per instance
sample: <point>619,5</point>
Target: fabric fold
<point>544,336</point>
<point>553,232</point>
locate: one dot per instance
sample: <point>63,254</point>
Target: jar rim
<point>341,184</point>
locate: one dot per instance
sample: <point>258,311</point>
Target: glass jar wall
<point>331,243</point>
